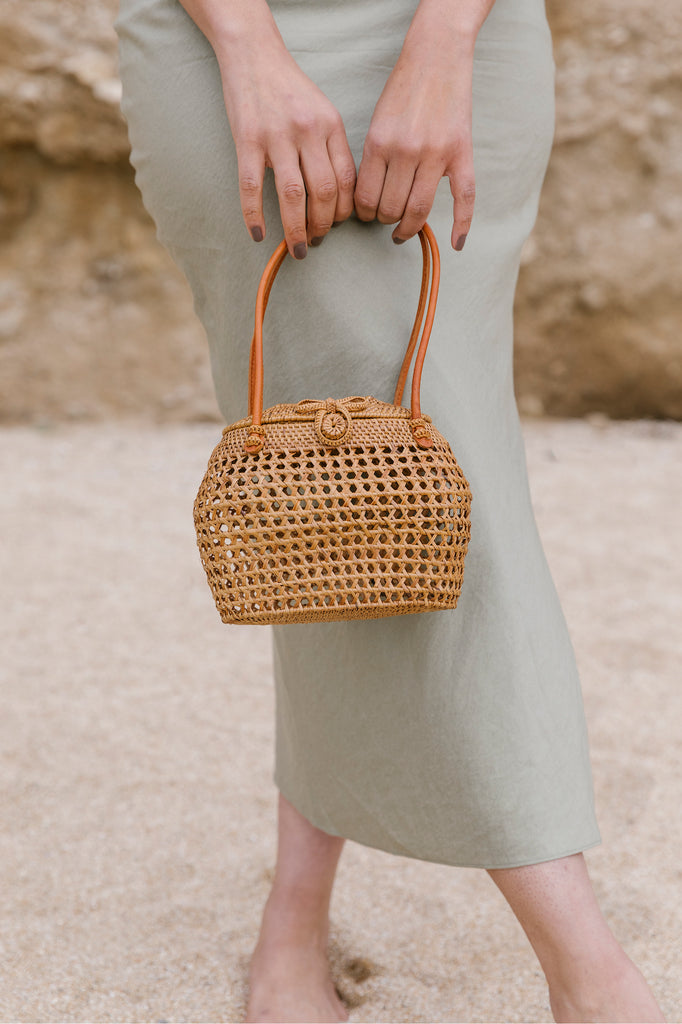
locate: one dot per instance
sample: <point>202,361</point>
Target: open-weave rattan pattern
<point>306,530</point>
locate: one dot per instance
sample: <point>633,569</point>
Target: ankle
<point>295,919</point>
<point>609,989</point>
<point>587,967</point>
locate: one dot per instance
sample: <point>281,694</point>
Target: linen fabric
<point>454,736</point>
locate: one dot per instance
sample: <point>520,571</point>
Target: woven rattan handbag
<point>337,508</point>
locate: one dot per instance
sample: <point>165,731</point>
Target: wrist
<point>237,28</point>
<point>445,27</point>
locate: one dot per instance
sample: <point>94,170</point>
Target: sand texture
<point>136,744</point>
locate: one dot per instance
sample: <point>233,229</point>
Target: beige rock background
<point>599,305</point>
<point>96,322</point>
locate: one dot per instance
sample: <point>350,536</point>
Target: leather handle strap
<point>428,297</point>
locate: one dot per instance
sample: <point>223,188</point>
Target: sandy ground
<point>136,744</point>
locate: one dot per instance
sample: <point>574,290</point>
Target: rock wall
<point>95,321</point>
<point>600,294</point>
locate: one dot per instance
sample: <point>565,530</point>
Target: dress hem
<point>524,862</point>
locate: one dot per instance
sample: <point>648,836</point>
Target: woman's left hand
<point>421,131</point>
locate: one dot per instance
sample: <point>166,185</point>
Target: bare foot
<point>619,993</point>
<point>290,983</point>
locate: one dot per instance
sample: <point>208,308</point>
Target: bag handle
<point>429,287</point>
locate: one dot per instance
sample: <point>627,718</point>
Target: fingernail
<point>257,234</point>
<point>399,241</point>
<point>318,240</point>
<point>300,250</point>
<point>460,243</point>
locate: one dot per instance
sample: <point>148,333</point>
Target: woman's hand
<point>280,119</point>
<point>421,130</point>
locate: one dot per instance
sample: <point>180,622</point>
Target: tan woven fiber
<point>334,508</point>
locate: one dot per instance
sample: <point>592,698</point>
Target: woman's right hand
<point>281,119</point>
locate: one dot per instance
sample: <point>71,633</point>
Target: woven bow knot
<point>333,419</point>
<point>354,403</point>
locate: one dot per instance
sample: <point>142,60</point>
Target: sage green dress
<point>455,736</point>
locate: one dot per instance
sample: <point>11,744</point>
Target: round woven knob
<point>333,423</point>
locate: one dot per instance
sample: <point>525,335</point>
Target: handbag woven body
<point>336,508</point>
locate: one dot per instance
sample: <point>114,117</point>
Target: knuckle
<point>249,184</point>
<point>411,148</point>
<point>467,190</point>
<point>278,135</point>
<point>419,207</point>
<point>335,123</point>
<point>249,138</point>
<point>365,200</point>
<point>433,152</point>
<point>391,211</point>
<point>460,139</point>
<point>293,191</point>
<point>325,191</point>
<point>304,121</point>
<point>377,141</point>
<point>347,179</point>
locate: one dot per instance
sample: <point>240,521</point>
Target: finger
<point>419,203</point>
<point>292,198</point>
<point>251,168</point>
<point>396,190</point>
<point>369,185</point>
<point>320,185</point>
<point>463,189</point>
<point>344,169</point>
